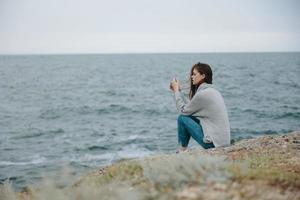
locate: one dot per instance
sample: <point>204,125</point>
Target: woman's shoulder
<point>207,92</point>
<point>205,87</point>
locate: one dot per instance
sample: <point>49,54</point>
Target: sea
<point>86,111</point>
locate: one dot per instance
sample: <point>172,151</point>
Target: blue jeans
<point>190,126</point>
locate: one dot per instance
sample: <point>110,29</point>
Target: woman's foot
<point>182,150</point>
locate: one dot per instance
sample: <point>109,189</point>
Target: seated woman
<point>204,117</point>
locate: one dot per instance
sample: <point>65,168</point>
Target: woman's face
<point>196,77</point>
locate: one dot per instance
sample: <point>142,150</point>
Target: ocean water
<point>88,111</point>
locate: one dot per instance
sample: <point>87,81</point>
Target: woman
<point>204,117</point>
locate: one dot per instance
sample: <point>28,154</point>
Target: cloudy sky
<point>142,26</point>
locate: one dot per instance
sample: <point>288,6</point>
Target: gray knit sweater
<point>209,107</point>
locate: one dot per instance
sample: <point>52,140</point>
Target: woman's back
<point>213,115</point>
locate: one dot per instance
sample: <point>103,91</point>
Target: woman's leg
<point>183,135</point>
<point>189,126</point>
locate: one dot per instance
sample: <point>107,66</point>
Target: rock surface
<point>266,167</point>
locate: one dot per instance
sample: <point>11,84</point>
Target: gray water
<point>87,111</point>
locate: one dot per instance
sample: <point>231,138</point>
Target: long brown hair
<point>202,68</point>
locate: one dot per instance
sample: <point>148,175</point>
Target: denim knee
<point>181,118</point>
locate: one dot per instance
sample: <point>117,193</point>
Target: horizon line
<point>138,53</point>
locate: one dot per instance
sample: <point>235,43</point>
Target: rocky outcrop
<point>266,167</point>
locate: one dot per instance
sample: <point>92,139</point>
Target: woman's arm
<point>189,108</point>
<point>184,108</point>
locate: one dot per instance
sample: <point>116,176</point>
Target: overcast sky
<point>141,26</point>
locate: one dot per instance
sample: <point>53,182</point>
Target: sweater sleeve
<point>188,108</point>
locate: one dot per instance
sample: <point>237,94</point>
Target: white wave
<point>133,137</point>
<point>132,151</point>
<point>91,157</point>
<point>35,161</point>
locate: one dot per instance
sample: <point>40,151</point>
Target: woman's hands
<point>174,85</point>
